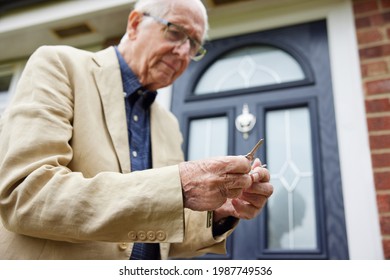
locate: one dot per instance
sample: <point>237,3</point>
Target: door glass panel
<point>208,137</point>
<point>250,67</point>
<point>291,215</point>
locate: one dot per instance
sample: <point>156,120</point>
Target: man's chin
<point>165,79</point>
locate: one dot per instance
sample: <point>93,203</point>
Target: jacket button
<point>123,246</point>
<point>151,235</point>
<point>160,235</point>
<point>132,235</point>
<point>141,235</point>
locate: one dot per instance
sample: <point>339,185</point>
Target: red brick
<point>385,224</point>
<point>378,123</point>
<point>376,19</point>
<point>374,69</point>
<point>362,22</point>
<point>364,6</point>
<point>385,3</point>
<point>378,86</point>
<point>386,248</point>
<point>382,180</point>
<point>379,19</point>
<point>371,35</point>
<point>381,160</point>
<point>380,142</point>
<point>374,52</point>
<point>383,203</point>
<point>378,105</point>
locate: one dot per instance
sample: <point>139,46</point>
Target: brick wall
<point>372,20</point>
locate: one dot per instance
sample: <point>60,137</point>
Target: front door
<point>275,85</point>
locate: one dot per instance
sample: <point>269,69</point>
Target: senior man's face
<point>159,60</point>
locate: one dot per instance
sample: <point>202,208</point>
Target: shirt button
<point>135,118</point>
<point>135,154</point>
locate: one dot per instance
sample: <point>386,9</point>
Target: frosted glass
<point>208,137</point>
<point>291,209</point>
<point>250,67</point>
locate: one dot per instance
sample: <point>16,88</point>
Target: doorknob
<point>245,122</point>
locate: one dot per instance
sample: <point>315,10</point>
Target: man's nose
<point>183,49</point>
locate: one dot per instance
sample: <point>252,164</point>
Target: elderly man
<point>91,168</point>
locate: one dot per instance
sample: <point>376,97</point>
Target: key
<point>251,154</point>
<point>251,157</point>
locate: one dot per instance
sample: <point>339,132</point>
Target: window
<point>291,210</point>
<point>5,83</point>
<point>8,78</point>
<point>208,137</point>
<point>249,67</point>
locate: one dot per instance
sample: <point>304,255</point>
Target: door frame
<point>362,223</point>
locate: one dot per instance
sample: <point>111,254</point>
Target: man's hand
<point>250,203</point>
<point>207,184</point>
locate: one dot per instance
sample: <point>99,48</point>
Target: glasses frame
<point>200,52</point>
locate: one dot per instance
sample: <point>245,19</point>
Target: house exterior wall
<point>372,21</point>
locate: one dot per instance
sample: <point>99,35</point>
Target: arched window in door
<point>250,67</point>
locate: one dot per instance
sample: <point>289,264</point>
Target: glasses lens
<point>176,35</point>
<point>194,48</point>
<point>199,54</point>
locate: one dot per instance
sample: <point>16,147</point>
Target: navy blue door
<point>275,85</point>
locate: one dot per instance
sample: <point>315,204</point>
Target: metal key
<point>251,154</point>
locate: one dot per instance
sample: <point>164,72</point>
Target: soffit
<point>92,22</point>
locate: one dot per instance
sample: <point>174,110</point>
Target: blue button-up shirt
<point>137,103</point>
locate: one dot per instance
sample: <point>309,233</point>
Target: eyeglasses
<point>175,34</point>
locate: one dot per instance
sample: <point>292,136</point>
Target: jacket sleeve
<point>199,238</point>
<point>41,196</point>
<point>198,235</point>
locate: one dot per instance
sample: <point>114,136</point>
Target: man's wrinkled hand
<point>207,184</point>
<point>252,200</point>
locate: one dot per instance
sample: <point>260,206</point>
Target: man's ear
<point>132,24</point>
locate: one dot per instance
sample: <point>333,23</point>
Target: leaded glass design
<point>291,209</point>
<point>249,67</point>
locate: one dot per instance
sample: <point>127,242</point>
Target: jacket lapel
<point>157,133</point>
<point>109,83</point>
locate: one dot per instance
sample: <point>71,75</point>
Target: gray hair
<point>161,8</point>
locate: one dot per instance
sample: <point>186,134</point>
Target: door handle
<point>245,122</point>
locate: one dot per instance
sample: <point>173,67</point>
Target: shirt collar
<point>131,85</point>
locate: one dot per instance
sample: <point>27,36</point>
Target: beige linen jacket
<point>66,191</point>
